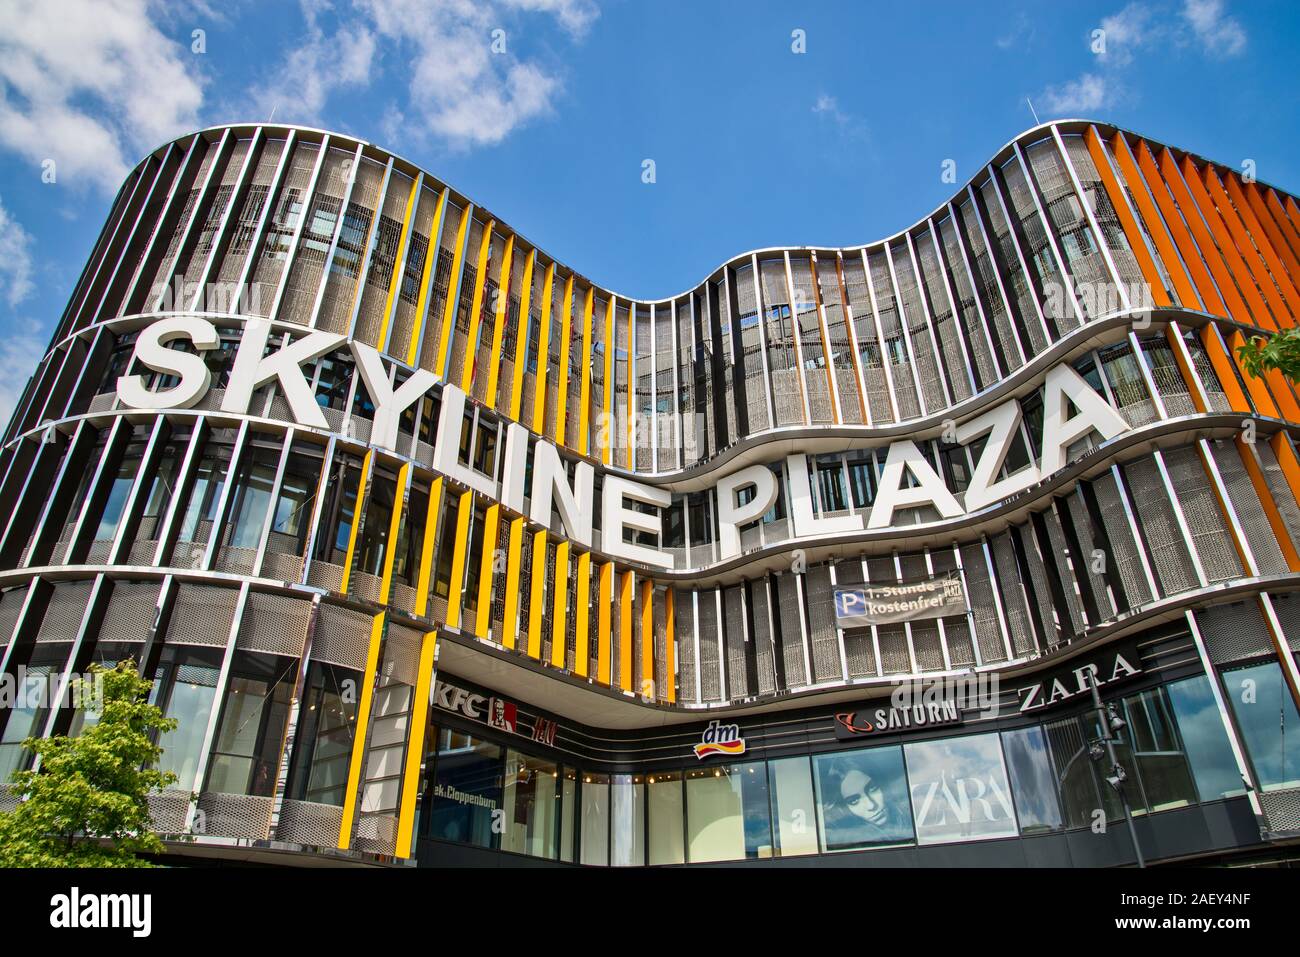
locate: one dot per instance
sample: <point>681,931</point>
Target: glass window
<point>628,820</point>
<point>532,804</point>
<point>325,735</point>
<point>1205,739</point>
<point>568,799</point>
<point>794,814</point>
<point>24,722</point>
<point>1153,736</point>
<point>246,753</point>
<point>727,812</point>
<point>664,804</point>
<point>1268,721</point>
<point>187,688</point>
<point>959,789</point>
<point>1032,783</point>
<point>1079,795</point>
<point>466,792</point>
<point>862,796</point>
<point>595,819</point>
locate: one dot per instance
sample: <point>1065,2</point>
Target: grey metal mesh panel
<point>303,281</point>
<point>1168,378</point>
<point>11,604</point>
<point>1218,399</point>
<point>734,640</point>
<point>815,361</point>
<point>325,575</point>
<point>1287,608</point>
<point>1015,605</point>
<point>1278,486</point>
<point>1205,518</point>
<point>840,345</point>
<point>1282,808</point>
<point>684,635</point>
<point>1125,378</point>
<point>244,224</point>
<point>284,567</point>
<point>351,256</point>
<point>168,809</point>
<point>710,674</point>
<point>402,655</point>
<point>896,354</point>
<point>1062,565</point>
<point>789,607</point>
<point>235,815</point>
<point>986,280</point>
<point>822,639</point>
<point>957,633</point>
<point>202,615</point>
<point>918,327</point>
<point>1078,516</point>
<point>869,350</point>
<point>749,355</point>
<point>763,639</point>
<point>925,643</point>
<point>894,657</point>
<point>63,615</point>
<point>1169,557</point>
<point>1038,249</point>
<point>860,652</point>
<point>1085,261</point>
<point>1120,535</point>
<point>1250,513</point>
<point>1234,631</point>
<point>1016,282</point>
<point>285,215</point>
<point>376,834</point>
<point>386,238</point>
<point>1099,202</point>
<point>275,624</point>
<point>983,604</point>
<point>661,676</point>
<point>342,637</point>
<point>967,306</point>
<point>130,612</point>
<point>941,315</point>
<point>166,265</point>
<point>309,823</point>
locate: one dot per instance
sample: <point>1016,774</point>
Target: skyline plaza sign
<point>1072,410</point>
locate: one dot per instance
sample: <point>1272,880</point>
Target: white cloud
<point>92,85</point>
<point>848,124</point>
<point>1122,32</point>
<point>21,349</point>
<point>1078,97</point>
<point>459,88</point>
<point>1220,35</point>
<point>15,259</point>
<point>1153,30</point>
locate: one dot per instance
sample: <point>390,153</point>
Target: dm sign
<point>860,606</point>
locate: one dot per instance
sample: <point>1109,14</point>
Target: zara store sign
<point>1071,410</point>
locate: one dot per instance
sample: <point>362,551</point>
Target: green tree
<point>1280,351</point>
<point>87,806</point>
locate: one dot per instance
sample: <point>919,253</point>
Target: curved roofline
<point>994,157</point>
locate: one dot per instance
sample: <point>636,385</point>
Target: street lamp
<point>1111,724</point>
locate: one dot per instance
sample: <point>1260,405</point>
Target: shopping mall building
<point>441,553</point>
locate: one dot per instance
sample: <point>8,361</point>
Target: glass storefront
<point>964,787</point>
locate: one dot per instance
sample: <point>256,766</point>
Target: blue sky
<point>754,144</point>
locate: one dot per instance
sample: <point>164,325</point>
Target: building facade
<point>441,552</point>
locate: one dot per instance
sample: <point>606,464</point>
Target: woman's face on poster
<point>864,798</point>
